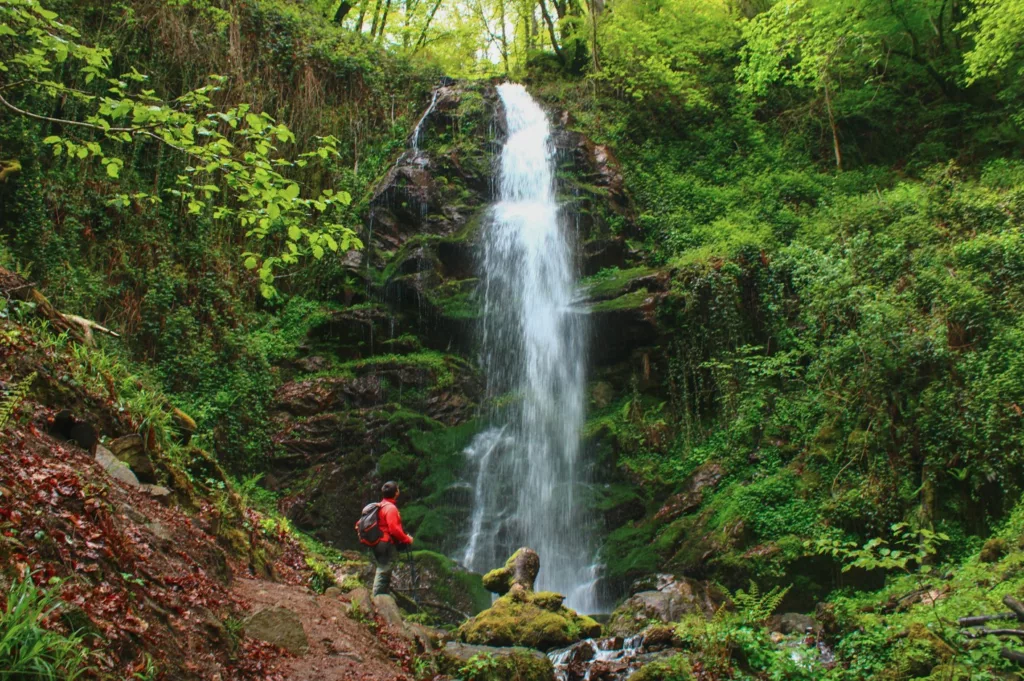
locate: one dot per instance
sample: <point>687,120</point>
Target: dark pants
<point>385,555</point>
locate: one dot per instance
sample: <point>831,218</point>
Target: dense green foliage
<point>27,649</point>
<point>832,193</point>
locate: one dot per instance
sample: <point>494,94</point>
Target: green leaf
<point>294,233</point>
<point>52,139</point>
<point>250,263</point>
<point>291,192</point>
<point>113,170</point>
<point>318,251</point>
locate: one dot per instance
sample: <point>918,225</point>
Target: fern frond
<point>753,606</point>
<point>13,399</point>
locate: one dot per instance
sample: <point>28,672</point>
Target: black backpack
<point>368,525</point>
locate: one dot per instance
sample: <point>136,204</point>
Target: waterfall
<point>419,124</point>
<point>525,470</point>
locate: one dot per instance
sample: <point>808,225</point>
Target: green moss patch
<point>535,620</point>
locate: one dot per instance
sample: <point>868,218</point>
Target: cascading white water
<point>526,470</point>
<point>419,124</point>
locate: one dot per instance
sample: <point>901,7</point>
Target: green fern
<point>13,399</point>
<point>753,607</point>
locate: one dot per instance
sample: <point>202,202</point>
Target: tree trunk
<point>343,9</point>
<point>426,26</point>
<point>362,15</point>
<point>384,19</point>
<point>376,19</point>
<point>551,31</point>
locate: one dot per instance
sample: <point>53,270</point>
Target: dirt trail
<point>340,648</point>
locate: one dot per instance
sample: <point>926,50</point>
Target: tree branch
<point>61,121</point>
<point>551,30</point>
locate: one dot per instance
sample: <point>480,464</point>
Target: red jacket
<point>390,523</point>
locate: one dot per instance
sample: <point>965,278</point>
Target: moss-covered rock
<point>532,619</point>
<point>676,668</point>
<point>486,663</point>
<point>519,570</point>
<point>443,589</point>
<point>994,549</point>
<point>679,597</point>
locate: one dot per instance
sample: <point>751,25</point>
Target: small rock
<point>114,467</point>
<point>278,626</point>
<point>793,623</point>
<point>361,597</point>
<point>161,494</point>
<point>333,592</point>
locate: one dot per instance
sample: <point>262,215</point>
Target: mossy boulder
<point>486,663</point>
<point>520,570</point>
<point>994,549</point>
<point>676,668</point>
<point>444,590</point>
<point>527,618</point>
<point>676,598</point>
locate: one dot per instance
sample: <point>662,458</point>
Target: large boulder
<point>522,616</point>
<point>439,586</point>
<point>114,467</point>
<point>131,449</point>
<point>676,598</point>
<point>508,663</point>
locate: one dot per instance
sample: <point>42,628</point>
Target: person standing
<point>385,553</point>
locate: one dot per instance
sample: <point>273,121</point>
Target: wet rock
<point>520,571</point>
<point>705,477</point>
<point>528,619</point>
<point>682,596</point>
<point>599,254</point>
<point>793,623</point>
<point>624,324</point>
<point>131,449</point>
<point>278,626</point>
<point>523,617</point>
<point>114,467</point>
